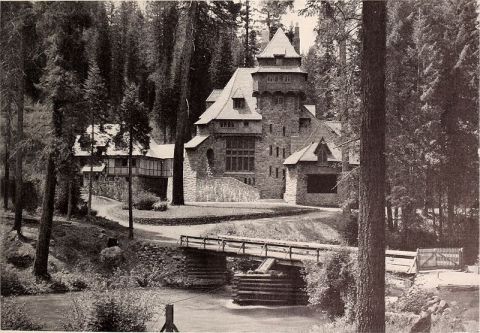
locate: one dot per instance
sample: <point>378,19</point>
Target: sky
<point>306,23</point>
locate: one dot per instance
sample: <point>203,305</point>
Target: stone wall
<point>118,189</point>
<point>290,195</point>
<point>279,116</point>
<point>296,192</point>
<point>225,189</point>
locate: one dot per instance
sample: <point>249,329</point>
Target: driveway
<point>106,208</point>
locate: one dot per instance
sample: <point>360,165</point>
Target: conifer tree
<point>63,23</point>
<point>95,95</point>
<point>134,129</point>
<point>370,315</point>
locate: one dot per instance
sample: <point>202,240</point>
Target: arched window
<point>210,157</point>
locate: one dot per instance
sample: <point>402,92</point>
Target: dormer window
<point>322,152</point>
<point>238,103</point>
<point>278,61</point>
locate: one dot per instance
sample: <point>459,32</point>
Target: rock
<point>112,241</point>
<point>112,256</point>
<point>442,305</point>
<point>432,301</point>
<point>432,309</point>
<point>422,324</point>
<point>447,311</point>
<point>436,299</point>
<point>18,253</point>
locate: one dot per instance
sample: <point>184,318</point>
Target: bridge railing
<point>396,261</point>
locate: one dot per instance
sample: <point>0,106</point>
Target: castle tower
<point>278,85</point>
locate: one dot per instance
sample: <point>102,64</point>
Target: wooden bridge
<point>290,253</point>
<point>278,277</point>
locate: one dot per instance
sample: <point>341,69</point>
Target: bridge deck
<point>292,253</point>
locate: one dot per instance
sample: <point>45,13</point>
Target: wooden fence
<point>449,258</point>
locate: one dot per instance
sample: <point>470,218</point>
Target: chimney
<point>264,39</point>
<point>296,39</point>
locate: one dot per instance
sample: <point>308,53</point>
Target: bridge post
<point>205,269</point>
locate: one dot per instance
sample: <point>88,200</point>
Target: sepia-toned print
<point>240,166</point>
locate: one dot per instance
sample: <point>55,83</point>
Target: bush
<point>412,300</point>
<point>61,197</point>
<point>111,311</point>
<point>349,230</point>
<point>331,287</point>
<point>20,282</point>
<point>11,284</point>
<point>14,317</point>
<point>144,200</point>
<point>160,206</point>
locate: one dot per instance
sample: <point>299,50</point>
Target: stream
<point>194,311</point>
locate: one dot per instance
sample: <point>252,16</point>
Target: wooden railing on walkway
<point>291,252</point>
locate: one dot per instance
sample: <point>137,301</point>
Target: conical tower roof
<point>279,46</point>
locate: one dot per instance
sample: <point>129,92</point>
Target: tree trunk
<point>440,215</point>
<point>395,218</point>
<point>40,266</point>
<point>408,217</point>
<point>20,80</point>
<point>370,315</point>
<point>90,177</point>
<point>247,62</point>
<point>389,207</point>
<point>188,36</point>
<point>130,204</point>
<point>6,180</point>
<point>69,202</point>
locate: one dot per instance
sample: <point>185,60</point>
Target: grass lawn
<point>316,226</point>
<point>199,213</point>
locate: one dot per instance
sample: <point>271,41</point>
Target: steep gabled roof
<point>240,84</point>
<point>308,154</point>
<point>310,108</point>
<point>214,95</point>
<point>279,46</point>
<point>105,139</point>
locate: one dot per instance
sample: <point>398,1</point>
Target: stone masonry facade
<point>251,128</point>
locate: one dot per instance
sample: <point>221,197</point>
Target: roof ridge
<point>306,149</point>
<point>231,82</point>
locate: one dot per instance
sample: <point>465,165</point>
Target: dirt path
<point>106,208</point>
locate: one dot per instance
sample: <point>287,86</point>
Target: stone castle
<point>258,136</point>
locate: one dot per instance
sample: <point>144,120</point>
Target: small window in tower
<point>238,103</point>
<point>271,128</point>
<point>245,123</point>
<point>271,150</point>
<point>278,100</point>
<point>283,153</point>
<point>284,173</point>
<point>279,61</point>
<point>276,172</point>
<point>270,170</point>
<point>277,151</point>
<point>287,78</point>
<point>283,130</point>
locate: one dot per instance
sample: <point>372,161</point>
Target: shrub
<point>11,284</point>
<point>61,197</point>
<point>144,200</point>
<point>111,311</point>
<point>412,300</point>
<point>349,230</point>
<point>14,317</point>
<point>160,206</point>
<point>331,287</point>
